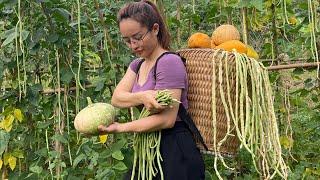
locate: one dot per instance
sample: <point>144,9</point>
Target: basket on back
<point>200,63</point>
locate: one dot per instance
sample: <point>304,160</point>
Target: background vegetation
<point>55,53</point>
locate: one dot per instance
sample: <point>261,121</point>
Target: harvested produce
<point>95,114</point>
<point>252,53</point>
<point>252,114</point>
<point>233,45</point>
<point>225,33</point>
<point>199,40</point>
<point>146,145</point>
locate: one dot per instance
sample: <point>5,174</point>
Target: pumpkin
<point>213,45</point>
<point>95,114</point>
<point>199,40</point>
<point>252,53</point>
<point>233,45</point>
<point>225,33</point>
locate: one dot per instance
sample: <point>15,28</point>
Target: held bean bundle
<point>147,145</point>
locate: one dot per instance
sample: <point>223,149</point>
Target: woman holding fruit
<point>144,32</point>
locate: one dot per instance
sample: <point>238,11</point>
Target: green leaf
<point>53,154</point>
<point>24,35</point>
<point>258,4</point>
<point>43,125</point>
<point>9,39</point>
<point>242,4</point>
<point>33,92</point>
<point>53,37</point>
<point>66,75</point>
<point>4,139</point>
<point>43,152</point>
<point>13,34</point>
<point>93,160</point>
<point>118,155</point>
<point>6,157</point>
<point>60,138</point>
<point>196,18</point>
<point>208,175</point>
<point>78,159</point>
<point>114,147</point>
<point>99,84</point>
<point>120,166</point>
<point>61,14</point>
<point>7,33</point>
<point>39,1</point>
<point>73,24</point>
<point>302,92</point>
<point>315,98</point>
<point>97,38</point>
<point>38,35</point>
<point>105,173</point>
<point>17,153</point>
<point>36,169</point>
<point>1,69</point>
<point>7,111</point>
<point>308,83</point>
<point>92,57</point>
<point>52,165</point>
<point>298,71</point>
<point>7,60</point>
<point>10,4</point>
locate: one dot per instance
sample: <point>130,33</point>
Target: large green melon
<point>89,118</point>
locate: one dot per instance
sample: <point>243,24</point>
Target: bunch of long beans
<point>147,145</point>
<point>252,114</point>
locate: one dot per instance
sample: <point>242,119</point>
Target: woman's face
<point>138,38</point>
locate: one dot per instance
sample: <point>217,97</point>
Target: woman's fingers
<point>102,129</point>
<point>160,109</point>
<point>151,104</point>
<point>112,128</point>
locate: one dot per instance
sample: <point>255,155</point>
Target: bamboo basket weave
<point>199,64</point>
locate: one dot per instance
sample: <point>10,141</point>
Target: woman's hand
<point>148,98</point>
<point>112,128</point>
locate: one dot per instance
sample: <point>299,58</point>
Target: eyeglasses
<point>135,39</point>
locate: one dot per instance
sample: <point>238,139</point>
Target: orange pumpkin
<point>199,40</point>
<point>225,33</point>
<point>233,45</point>
<point>213,45</point>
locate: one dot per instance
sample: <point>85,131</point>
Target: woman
<point>144,32</point>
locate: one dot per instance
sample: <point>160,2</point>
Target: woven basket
<point>199,63</point>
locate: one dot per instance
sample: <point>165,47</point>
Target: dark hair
<point>147,14</point>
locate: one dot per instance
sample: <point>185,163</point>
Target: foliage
<point>40,54</point>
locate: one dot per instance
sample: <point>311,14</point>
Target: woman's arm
<point>163,120</point>
<point>122,96</point>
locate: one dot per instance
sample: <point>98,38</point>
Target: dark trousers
<point>182,159</point>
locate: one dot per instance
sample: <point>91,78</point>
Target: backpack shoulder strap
<point>139,65</point>
<point>156,64</point>
<point>186,118</point>
<point>168,52</point>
